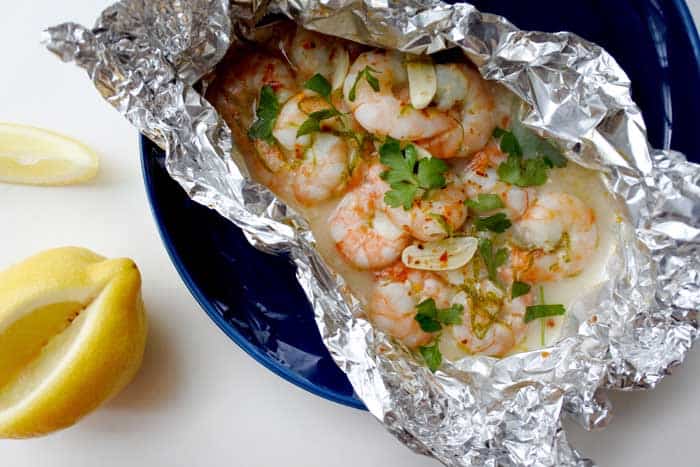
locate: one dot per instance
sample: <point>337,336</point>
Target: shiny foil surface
<point>145,58</point>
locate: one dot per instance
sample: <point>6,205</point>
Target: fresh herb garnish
<point>431,318</point>
<point>519,289</point>
<point>266,113</point>
<point>534,312</point>
<point>321,86</point>
<point>372,80</point>
<point>492,260</point>
<point>406,175</point>
<point>485,202</point>
<point>432,356</point>
<point>542,310</point>
<point>529,156</point>
<point>498,223</point>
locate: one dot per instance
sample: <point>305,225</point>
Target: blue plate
<point>255,299</point>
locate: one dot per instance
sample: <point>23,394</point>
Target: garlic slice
<point>442,255</point>
<point>342,65</point>
<point>422,83</point>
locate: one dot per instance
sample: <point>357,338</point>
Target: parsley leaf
<point>430,171</point>
<point>266,114</point>
<point>533,146</point>
<point>534,312</point>
<point>529,156</point>
<point>431,318</point>
<point>485,202</point>
<point>492,260</point>
<point>432,356</point>
<point>519,289</point>
<point>427,316</point>
<point>313,122</point>
<point>320,85</point>
<point>372,80</point>
<point>406,174</point>
<point>498,223</point>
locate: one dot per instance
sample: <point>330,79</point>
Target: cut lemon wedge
<point>72,335</point>
<point>33,156</point>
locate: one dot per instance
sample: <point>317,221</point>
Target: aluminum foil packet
<point>145,58</point>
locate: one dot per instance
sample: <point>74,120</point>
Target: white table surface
<point>199,400</point>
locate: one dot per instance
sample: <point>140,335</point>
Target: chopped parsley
<point>407,176</point>
<point>432,356</point>
<point>493,260</point>
<point>529,156</point>
<point>485,202</point>
<point>266,115</point>
<point>498,223</point>
<point>518,289</point>
<point>372,80</point>
<point>321,86</point>
<point>431,318</point>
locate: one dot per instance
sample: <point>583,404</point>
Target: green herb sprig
<point>530,157</point>
<point>498,223</point>
<point>372,80</point>
<point>432,319</point>
<point>408,176</point>
<point>432,356</point>
<point>518,289</point>
<point>485,203</point>
<point>493,260</point>
<point>266,115</point>
<point>322,87</point>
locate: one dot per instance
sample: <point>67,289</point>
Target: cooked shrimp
<point>462,93</point>
<point>556,237</point>
<point>480,177</point>
<point>493,324</point>
<point>361,229</point>
<point>434,217</point>
<point>388,112</point>
<point>312,53</point>
<point>392,305</point>
<point>323,171</point>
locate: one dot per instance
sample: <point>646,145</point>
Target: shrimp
<point>435,217</point>
<point>361,229</point>
<point>312,53</point>
<point>323,172</point>
<point>556,236</point>
<point>393,302</point>
<point>463,93</point>
<point>388,112</point>
<point>493,324</point>
<point>480,177</point>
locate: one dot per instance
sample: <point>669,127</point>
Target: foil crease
<point>145,58</point>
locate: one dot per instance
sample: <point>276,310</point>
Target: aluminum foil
<point>145,58</point>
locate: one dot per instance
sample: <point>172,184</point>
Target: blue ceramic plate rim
<point>210,310</point>
<point>291,376</point>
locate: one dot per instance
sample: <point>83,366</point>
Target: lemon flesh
<point>72,335</point>
<point>34,156</point>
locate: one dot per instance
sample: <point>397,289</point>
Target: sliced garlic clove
<point>422,83</point>
<point>342,65</point>
<point>442,255</point>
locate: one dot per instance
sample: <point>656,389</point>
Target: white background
<point>200,400</point>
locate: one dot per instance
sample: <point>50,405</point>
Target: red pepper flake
<point>545,354</point>
<point>443,257</point>
<point>308,45</point>
<point>550,323</point>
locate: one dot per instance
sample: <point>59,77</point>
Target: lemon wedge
<point>72,335</point>
<point>33,156</point>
